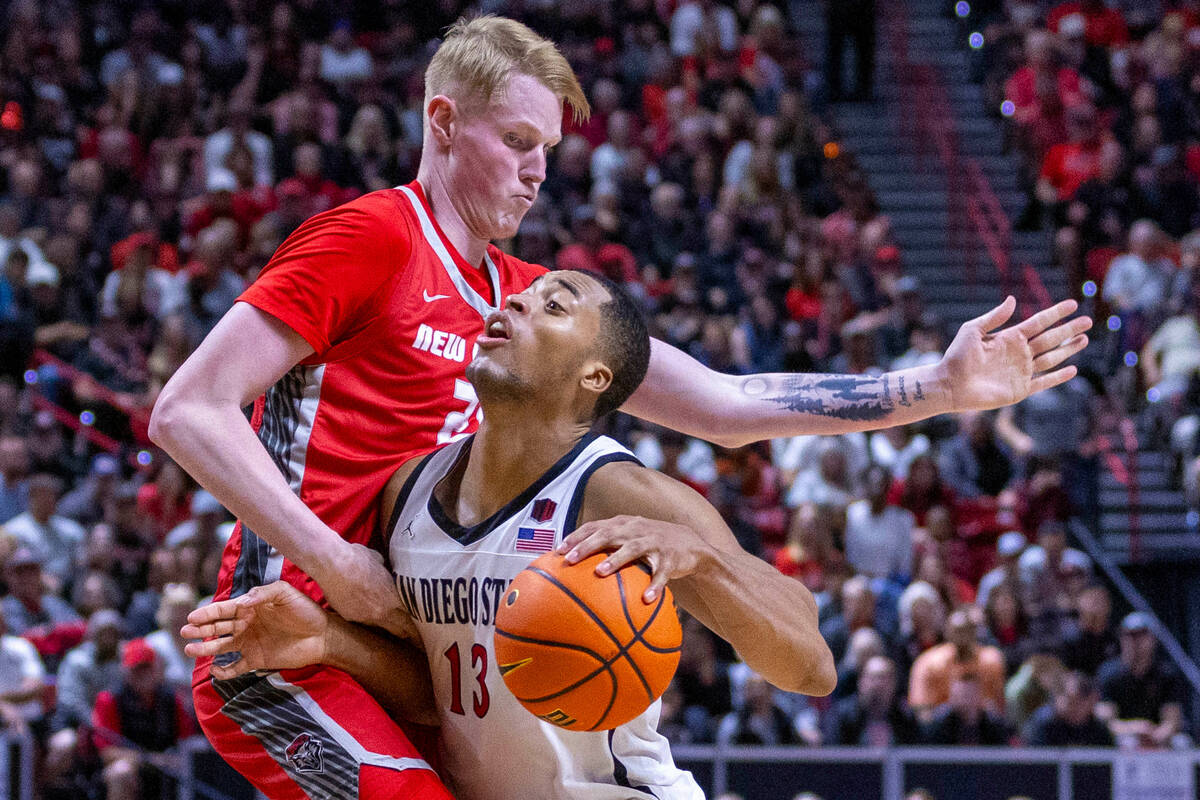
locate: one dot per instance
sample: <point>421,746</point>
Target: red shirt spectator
<point>591,253</point>
<point>142,713</point>
<point>1104,26</point>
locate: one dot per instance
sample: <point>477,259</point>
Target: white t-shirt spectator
<point>219,145</point>
<point>20,662</point>
<point>883,452</point>
<point>345,67</point>
<point>1134,284</point>
<point>1176,344</point>
<point>54,543</point>
<point>879,545</point>
<point>688,21</point>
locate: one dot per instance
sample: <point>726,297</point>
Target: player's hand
<point>361,589</point>
<point>672,551</point>
<point>274,627</point>
<point>987,368</point>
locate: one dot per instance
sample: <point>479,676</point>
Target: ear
<point>597,377</point>
<point>442,113</point>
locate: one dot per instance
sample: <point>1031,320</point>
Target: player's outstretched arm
<point>279,627</point>
<point>198,421</point>
<point>770,619</point>
<point>984,367</point>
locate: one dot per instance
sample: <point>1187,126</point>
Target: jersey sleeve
<point>326,273</point>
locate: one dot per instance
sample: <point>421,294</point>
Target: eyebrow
<point>569,287</point>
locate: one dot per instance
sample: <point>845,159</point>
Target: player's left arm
<point>984,367</point>
<point>770,619</point>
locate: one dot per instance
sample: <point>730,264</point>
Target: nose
<point>533,168</point>
<point>517,303</point>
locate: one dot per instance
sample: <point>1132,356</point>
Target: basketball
<point>583,652</point>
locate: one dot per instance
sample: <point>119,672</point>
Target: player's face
<point>498,157</point>
<point>542,342</point>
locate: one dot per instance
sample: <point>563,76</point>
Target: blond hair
<point>478,55</point>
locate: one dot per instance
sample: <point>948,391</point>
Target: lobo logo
<point>304,753</point>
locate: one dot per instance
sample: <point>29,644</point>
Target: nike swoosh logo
<point>429,298</point>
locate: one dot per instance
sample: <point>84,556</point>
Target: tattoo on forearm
<point>918,394</point>
<point>849,397</point>
<point>903,394</point>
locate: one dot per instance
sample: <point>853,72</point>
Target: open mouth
<point>496,330</point>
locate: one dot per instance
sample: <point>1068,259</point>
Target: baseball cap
<point>1137,621</point>
<point>138,654</point>
<point>1011,544</point>
<point>41,273</point>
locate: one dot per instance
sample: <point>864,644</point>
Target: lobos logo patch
<point>304,753</point>
<point>543,509</point>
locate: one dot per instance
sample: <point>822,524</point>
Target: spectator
<point>865,644</point>
<point>1007,626</point>
<point>1070,720</point>
<point>702,683</point>
<point>974,463</point>
<point>1136,282</point>
<point>922,490</point>
<point>827,483</point>
<point>1009,547</point>
<point>759,720</point>
<point>29,608</point>
<point>178,600</point>
<point>1090,641</point>
<point>238,133</point>
<point>1142,696</point>
<point>879,536</point>
<point>54,540</point>
<point>857,612</point>
<point>89,669</point>
<point>966,717</point>
<point>1031,687</point>
<point>1049,572</point>
<point>875,716</point>
<point>14,483</point>
<point>342,63</point>
<point>939,667</point>
<point>135,726</point>
<point>85,503</point>
<point>922,615</point>
<point>589,251</point>
<point>22,682</point>
<point>895,448</point>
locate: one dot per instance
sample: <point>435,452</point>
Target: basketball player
<point>566,351</point>
<point>351,347</point>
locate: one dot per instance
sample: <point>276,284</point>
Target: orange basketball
<point>583,652</point>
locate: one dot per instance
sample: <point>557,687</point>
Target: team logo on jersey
<point>304,753</point>
<point>543,509</point>
<point>534,540</point>
<point>449,346</point>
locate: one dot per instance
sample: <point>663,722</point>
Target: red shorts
<point>311,734</point>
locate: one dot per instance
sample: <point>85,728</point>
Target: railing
<point>1170,645</point>
<point>957,773</point>
<point>976,219</point>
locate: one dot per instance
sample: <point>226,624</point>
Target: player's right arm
<point>320,281</point>
<point>769,618</point>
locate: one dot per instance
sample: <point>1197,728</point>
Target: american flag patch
<point>534,540</point>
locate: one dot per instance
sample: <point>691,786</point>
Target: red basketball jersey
<point>392,312</point>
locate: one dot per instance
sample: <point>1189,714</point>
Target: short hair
<point>478,55</point>
<point>624,345</point>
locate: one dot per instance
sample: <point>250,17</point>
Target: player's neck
<point>470,247</point>
<point>507,456</point>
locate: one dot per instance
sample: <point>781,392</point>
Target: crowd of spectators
<point>153,156</point>
<point>1102,101</point>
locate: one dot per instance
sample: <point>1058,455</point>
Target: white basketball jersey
<point>451,580</point>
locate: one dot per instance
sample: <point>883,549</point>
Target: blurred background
<point>787,185</point>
